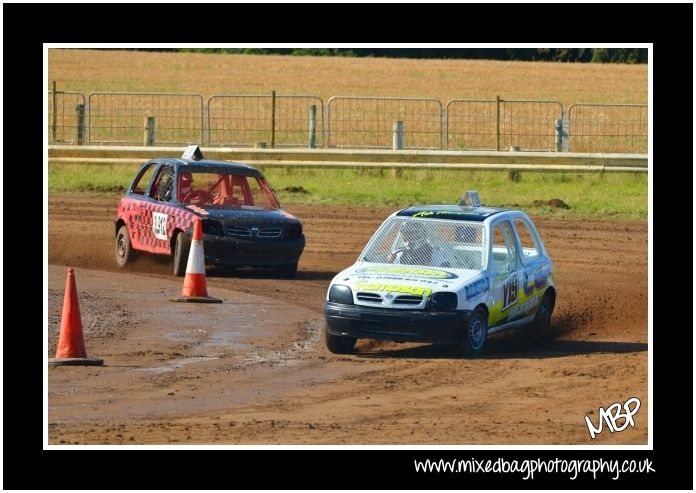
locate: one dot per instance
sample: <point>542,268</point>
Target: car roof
<point>456,212</point>
<point>209,164</point>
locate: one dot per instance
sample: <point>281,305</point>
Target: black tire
<point>475,333</point>
<point>182,245</point>
<point>124,250</point>
<point>339,344</point>
<point>541,327</point>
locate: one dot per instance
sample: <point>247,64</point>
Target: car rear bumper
<point>394,325</point>
<point>233,253</point>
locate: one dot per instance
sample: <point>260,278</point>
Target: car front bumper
<point>395,325</point>
<point>234,253</point>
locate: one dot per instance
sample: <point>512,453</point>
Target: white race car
<point>446,274</point>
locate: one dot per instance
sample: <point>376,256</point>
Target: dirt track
<point>255,369</point>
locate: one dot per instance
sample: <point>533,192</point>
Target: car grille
<point>269,233</point>
<point>237,231</point>
<point>242,232</point>
<point>408,300</point>
<point>371,297</point>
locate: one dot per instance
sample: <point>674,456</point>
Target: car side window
<point>164,184</point>
<point>504,250</point>
<point>140,186</point>
<point>529,242</point>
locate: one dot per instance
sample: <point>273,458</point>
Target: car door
<point>505,272</point>
<point>156,210</point>
<point>134,213</point>
<point>535,266</point>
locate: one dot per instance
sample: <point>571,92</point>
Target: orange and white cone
<point>71,344</point>
<point>195,289</point>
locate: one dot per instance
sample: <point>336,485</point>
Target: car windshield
<point>225,189</point>
<point>429,242</point>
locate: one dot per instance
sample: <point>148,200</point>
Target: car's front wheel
<point>339,344</point>
<point>475,333</point>
<point>124,250</point>
<point>182,245</point>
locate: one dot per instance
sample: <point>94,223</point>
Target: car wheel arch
<point>180,254</point>
<point>119,223</point>
<point>551,291</point>
<point>540,327</point>
<point>172,240</point>
<point>484,308</point>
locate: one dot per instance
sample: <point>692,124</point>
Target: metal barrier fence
<point>369,121</point>
<point>497,124</point>
<point>351,122</point>
<point>608,128</point>
<point>278,121</point>
<point>529,125</point>
<point>66,117</point>
<point>471,124</point>
<point>145,118</point>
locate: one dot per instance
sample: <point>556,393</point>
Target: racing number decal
<point>159,225</point>
<point>510,289</point>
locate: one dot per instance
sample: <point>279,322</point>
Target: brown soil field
<point>206,74</point>
<point>254,369</point>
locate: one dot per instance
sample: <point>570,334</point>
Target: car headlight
<point>341,294</point>
<point>293,231</point>
<point>443,301</point>
<point>211,227</point>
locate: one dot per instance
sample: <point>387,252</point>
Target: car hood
<point>404,279</point>
<point>246,216</point>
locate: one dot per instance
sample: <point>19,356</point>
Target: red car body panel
<point>143,225</point>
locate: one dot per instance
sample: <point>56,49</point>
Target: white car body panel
<point>510,296</point>
<point>446,274</point>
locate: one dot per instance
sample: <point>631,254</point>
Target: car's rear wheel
<point>124,250</point>
<point>339,344</point>
<point>541,327</point>
<point>475,333</point>
<point>182,244</point>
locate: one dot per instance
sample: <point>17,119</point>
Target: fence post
<point>273,108</point>
<point>80,125</point>
<point>562,135</point>
<point>312,126</point>
<point>398,142</point>
<point>497,123</point>
<point>558,135</point>
<point>149,134</point>
<point>55,109</point>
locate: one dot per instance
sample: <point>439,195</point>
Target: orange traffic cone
<point>195,289</point>
<point>71,345</point>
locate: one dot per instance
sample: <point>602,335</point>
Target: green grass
<point>599,195</point>
<point>615,195</point>
<point>85,177</point>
